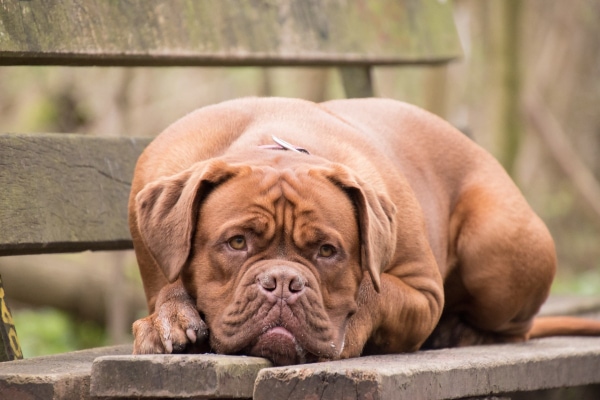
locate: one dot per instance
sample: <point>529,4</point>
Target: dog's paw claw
<point>191,334</point>
<point>168,346</point>
<point>174,327</point>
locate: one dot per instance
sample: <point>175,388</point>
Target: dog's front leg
<point>174,326</point>
<point>396,320</point>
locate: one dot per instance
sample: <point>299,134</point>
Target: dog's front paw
<point>174,327</point>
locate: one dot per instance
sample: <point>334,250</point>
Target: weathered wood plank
<point>466,372</point>
<point>60,376</point>
<point>226,32</point>
<point>61,193</point>
<point>205,376</point>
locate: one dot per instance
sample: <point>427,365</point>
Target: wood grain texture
<point>63,193</point>
<point>226,32</point>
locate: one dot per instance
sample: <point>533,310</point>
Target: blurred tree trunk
<point>490,35</point>
<point>563,95</point>
<point>82,284</point>
<point>545,124</point>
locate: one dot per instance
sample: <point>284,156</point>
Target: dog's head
<point>274,256</point>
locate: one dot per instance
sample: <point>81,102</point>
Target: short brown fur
<point>396,232</point>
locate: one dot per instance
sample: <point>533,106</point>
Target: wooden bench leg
<point>9,343</point>
<point>357,81</point>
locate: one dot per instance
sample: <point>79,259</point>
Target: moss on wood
<point>226,32</point>
<point>65,192</point>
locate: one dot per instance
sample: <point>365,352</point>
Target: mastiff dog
<point>306,232</point>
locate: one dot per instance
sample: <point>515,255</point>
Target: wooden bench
<point>68,193</point>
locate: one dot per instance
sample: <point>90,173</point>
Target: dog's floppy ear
<point>376,220</point>
<point>167,211</point>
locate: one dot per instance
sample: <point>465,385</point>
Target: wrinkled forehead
<point>266,190</point>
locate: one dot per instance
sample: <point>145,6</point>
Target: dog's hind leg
<point>504,264</point>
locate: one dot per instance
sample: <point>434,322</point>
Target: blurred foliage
<point>50,331</point>
<point>582,283</point>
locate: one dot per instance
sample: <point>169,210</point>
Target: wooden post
<point>357,81</point>
<point>10,349</point>
<point>511,102</point>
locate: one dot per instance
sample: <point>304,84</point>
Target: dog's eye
<point>326,251</point>
<point>237,242</point>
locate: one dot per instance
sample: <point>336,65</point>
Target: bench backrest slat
<point>65,193</point>
<point>226,32</point>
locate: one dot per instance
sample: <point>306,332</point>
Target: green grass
<point>586,283</point>
<point>50,331</point>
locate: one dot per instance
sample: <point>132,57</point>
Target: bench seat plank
<point>203,376</point>
<point>65,193</point>
<point>226,32</point>
<point>62,376</point>
<point>441,374</point>
<point>567,362</point>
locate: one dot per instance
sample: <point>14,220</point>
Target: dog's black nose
<point>282,282</point>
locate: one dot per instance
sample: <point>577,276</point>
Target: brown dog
<point>381,229</point>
